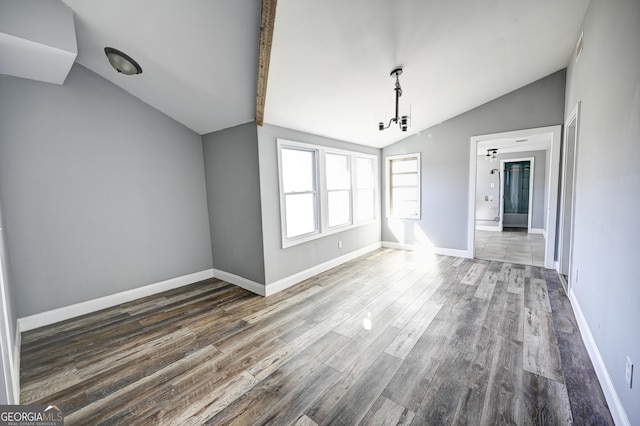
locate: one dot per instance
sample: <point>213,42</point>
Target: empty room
<point>304,213</point>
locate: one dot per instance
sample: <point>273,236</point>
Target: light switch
<point>493,185</point>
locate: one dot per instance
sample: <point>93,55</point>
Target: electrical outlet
<point>628,375</point>
<point>340,244</point>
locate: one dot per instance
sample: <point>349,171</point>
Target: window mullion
<point>354,189</point>
<point>323,209</point>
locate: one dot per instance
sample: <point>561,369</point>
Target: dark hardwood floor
<point>393,337</point>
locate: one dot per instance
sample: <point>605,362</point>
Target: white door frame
<point>531,180</point>
<point>574,117</point>
<point>7,363</point>
<point>552,194</point>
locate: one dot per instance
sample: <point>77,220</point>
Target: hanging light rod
<point>404,120</point>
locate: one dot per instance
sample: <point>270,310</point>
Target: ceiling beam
<point>266,36</point>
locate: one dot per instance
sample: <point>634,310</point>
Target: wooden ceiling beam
<point>266,36</point>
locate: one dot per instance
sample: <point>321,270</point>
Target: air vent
<point>580,45</point>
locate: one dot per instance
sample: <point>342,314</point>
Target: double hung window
<point>324,190</point>
<point>300,190</point>
<point>403,186</point>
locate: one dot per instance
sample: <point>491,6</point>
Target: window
<point>324,191</point>
<point>338,176</point>
<point>403,186</point>
<point>299,188</point>
<point>366,188</point>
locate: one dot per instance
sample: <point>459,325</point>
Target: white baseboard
<point>245,283</point>
<point>488,228</point>
<point>615,405</point>
<point>537,231</point>
<point>435,250</point>
<point>399,246</point>
<point>56,315</point>
<point>294,279</point>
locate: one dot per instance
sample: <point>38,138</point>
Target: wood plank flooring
<point>392,337</point>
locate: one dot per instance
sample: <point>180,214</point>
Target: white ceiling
<point>199,57</point>
<point>330,60</point>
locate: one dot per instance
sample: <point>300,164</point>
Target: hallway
<point>513,246</point>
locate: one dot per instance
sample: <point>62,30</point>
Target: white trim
<point>7,344</point>
<point>296,278</point>
<point>537,231</point>
<point>400,246</point>
<point>245,283</point>
<point>574,116</point>
<point>60,314</point>
<point>387,167</point>
<point>16,363</point>
<point>435,250</point>
<point>488,228</point>
<point>552,185</point>
<point>615,405</point>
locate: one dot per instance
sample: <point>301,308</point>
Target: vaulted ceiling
<point>330,60</point>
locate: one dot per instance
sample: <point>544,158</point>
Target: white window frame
<point>325,191</point>
<point>388,160</point>
<point>356,188</point>
<point>322,210</point>
<point>283,195</point>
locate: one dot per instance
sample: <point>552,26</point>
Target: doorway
<point>521,141</point>
<point>567,198</point>
<point>517,189</point>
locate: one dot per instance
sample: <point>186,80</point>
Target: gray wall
<point>486,209</point>
<point>445,157</point>
<point>233,195</point>
<point>101,192</point>
<point>606,80</point>
<point>281,263</point>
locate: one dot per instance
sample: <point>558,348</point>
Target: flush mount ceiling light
<point>404,120</point>
<point>122,62</point>
<point>492,155</point>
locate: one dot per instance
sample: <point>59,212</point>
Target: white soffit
<point>37,40</point>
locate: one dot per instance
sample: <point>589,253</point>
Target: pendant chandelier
<point>404,120</point>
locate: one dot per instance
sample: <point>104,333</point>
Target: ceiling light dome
<point>122,62</point>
